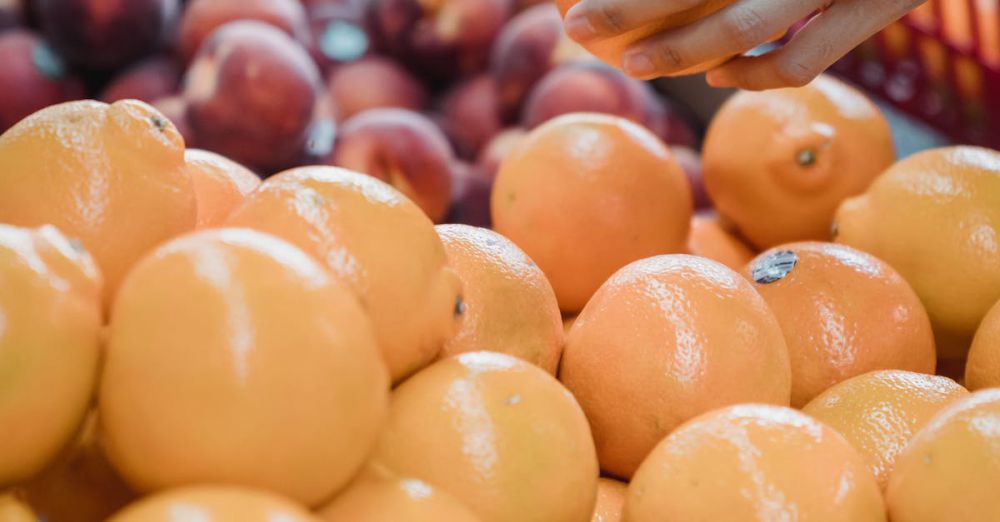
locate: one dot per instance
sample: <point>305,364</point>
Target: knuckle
<point>667,57</point>
<point>794,73</point>
<point>745,27</point>
<point>608,16</point>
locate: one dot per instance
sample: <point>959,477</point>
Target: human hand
<point>745,24</point>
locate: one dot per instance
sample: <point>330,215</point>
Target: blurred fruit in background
<point>33,77</point>
<point>12,509</point>
<point>690,162</point>
<point>982,370</point>
<point>11,14</point>
<point>341,31</point>
<point>471,111</point>
<point>381,499</point>
<point>148,81</point>
<point>372,83</point>
<point>215,504</point>
<point>471,186</point>
<point>494,152</point>
<point>202,17</point>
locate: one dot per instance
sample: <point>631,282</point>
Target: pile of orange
<point>180,340</point>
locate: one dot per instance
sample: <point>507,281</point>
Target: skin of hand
<point>838,27</point>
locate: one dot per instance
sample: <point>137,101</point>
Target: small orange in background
<point>610,500</point>
<point>710,239</point>
<point>950,470</point>
<point>586,194</point>
<point>220,185</point>
<point>778,163</point>
<point>13,510</point>
<point>843,313</point>
<point>879,412</point>
<point>373,499</point>
<point>214,504</point>
<point>235,358</point>
<point>665,339</point>
<point>982,368</point>
<point>500,435</point>
<point>754,462</point>
<point>509,305</point>
<point>50,322</point>
<point>112,176</point>
<point>935,217</point>
<point>377,241</point>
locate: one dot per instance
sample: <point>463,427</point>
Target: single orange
<point>50,322</point>
<point>586,194</point>
<point>377,241</point>
<point>394,500</point>
<point>982,369</point>
<point>665,339</point>
<point>778,163</point>
<point>610,500</point>
<point>843,313</point>
<point>878,412</point>
<point>509,304</point>
<point>13,509</point>
<point>935,217</point>
<point>220,185</point>
<point>710,239</point>
<point>500,435</point>
<point>754,463</point>
<point>112,176</point>
<point>235,358</point>
<point>214,504</point>
<point>950,470</point>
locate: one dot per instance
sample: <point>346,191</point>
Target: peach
<point>148,80</point>
<point>371,83</point>
<point>444,39</point>
<point>472,114</point>
<point>252,93</point>
<point>669,121</point>
<point>588,86</point>
<point>402,148</point>
<point>33,77</point>
<point>103,35</point>
<point>202,17</point>
<point>470,195</point>
<point>11,14</point>
<point>497,149</point>
<point>340,32</point>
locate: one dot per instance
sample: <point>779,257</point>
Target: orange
<point>610,500</point>
<point>950,470</point>
<point>568,323</point>
<point>665,339</point>
<point>220,185</point>
<point>777,163</point>
<point>13,510</point>
<point>112,176</point>
<point>500,435</point>
<point>395,500</point>
<point>378,242</point>
<point>214,504</point>
<point>982,369</point>
<point>753,462</point>
<point>50,321</point>
<point>935,217</point>
<point>234,357</point>
<point>509,305</point>
<point>81,486</point>
<point>878,412</point>
<point>843,313</point>
<point>709,239</point>
<point>586,194</point>
<point>611,49</point>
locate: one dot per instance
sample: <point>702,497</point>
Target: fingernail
<point>578,25</point>
<point>719,78</point>
<point>637,63</point>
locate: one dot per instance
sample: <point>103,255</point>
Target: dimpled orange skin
<point>950,470</point>
<point>395,500</point>
<point>500,435</point>
<point>13,510</point>
<point>779,162</point>
<point>665,339</point>
<point>234,357</point>
<point>879,412</point>
<point>50,321</point>
<point>610,49</point>
<point>586,194</point>
<point>220,185</point>
<point>214,504</point>
<point>370,236</point>
<point>843,313</point>
<point>509,304</point>
<point>935,217</point>
<point>112,176</point>
<point>709,239</point>
<point>754,462</point>
<point>982,368</point>
<point>610,500</point>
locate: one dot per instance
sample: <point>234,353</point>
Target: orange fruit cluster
<point>182,341</point>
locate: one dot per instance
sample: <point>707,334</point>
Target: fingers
<point>732,30</point>
<point>591,19</point>
<point>825,39</point>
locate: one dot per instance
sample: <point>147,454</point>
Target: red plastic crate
<point>940,64</point>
